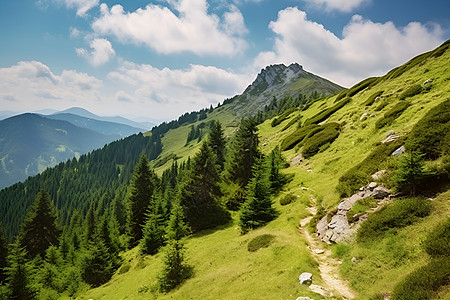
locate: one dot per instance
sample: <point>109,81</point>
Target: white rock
<point>319,251</point>
<point>305,278</point>
<point>372,185</point>
<point>304,298</point>
<point>320,290</point>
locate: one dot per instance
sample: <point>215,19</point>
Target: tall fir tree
<point>153,234</point>
<point>18,273</point>
<point>3,255</point>
<point>96,264</point>
<point>143,185</point>
<point>217,143</point>
<point>276,163</point>
<point>200,191</point>
<point>257,209</point>
<point>90,224</point>
<point>244,152</point>
<point>175,269</point>
<point>40,228</point>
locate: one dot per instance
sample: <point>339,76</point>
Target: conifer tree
<point>257,209</point>
<point>244,153</point>
<point>142,187</point>
<point>175,270</point>
<point>18,274</point>
<point>90,224</point>
<point>3,255</point>
<point>198,194</point>
<point>217,143</point>
<point>97,267</point>
<point>40,228</point>
<point>277,162</point>
<point>153,233</point>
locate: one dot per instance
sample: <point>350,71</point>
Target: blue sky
<point>158,59</point>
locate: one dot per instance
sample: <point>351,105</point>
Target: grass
<point>223,266</point>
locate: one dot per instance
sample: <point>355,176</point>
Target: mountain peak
<point>277,74</point>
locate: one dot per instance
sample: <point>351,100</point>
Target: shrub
<point>389,117</point>
<point>437,243</point>
<point>421,284</point>
<point>431,135</point>
<point>282,117</point>
<point>289,198</point>
<point>325,114</point>
<point>401,213</point>
<point>292,122</point>
<point>297,136</point>
<point>360,86</point>
<point>313,143</point>
<point>261,241</point>
<point>372,98</point>
<point>412,91</point>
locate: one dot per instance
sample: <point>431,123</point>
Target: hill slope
<point>224,268</point>
<point>31,143</point>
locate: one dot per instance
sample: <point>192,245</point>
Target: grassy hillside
<point>224,268</point>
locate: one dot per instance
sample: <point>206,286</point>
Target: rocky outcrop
<point>338,229</point>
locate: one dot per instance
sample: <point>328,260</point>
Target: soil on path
<point>328,266</point>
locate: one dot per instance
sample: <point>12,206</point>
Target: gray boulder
<point>304,298</point>
<point>399,151</point>
<point>380,192</point>
<point>305,278</point>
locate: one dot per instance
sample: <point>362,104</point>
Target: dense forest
<point>86,211</point>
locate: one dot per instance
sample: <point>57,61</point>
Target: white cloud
<point>82,6</point>
<point>35,86</point>
<point>186,28</point>
<point>365,49</point>
<point>173,92</point>
<point>339,5</point>
<point>101,53</point>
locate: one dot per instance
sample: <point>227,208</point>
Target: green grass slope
<point>224,268</point>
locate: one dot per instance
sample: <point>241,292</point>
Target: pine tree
<point>198,194</point>
<point>410,171</point>
<point>217,143</point>
<point>3,255</point>
<point>96,265</point>
<point>90,224</point>
<point>276,162</point>
<point>18,274</point>
<point>244,153</point>
<point>40,228</point>
<point>142,187</point>
<point>153,235</point>
<point>175,270</point>
<point>257,209</point>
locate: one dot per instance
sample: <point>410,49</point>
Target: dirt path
<point>328,266</point>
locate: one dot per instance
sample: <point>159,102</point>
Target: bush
<point>422,283</point>
<point>284,116</point>
<point>431,135</point>
<point>297,136</point>
<point>261,241</point>
<point>360,86</point>
<point>437,243</point>
<point>372,98</point>
<point>412,91</point>
<point>313,143</point>
<point>325,114</point>
<point>401,213</point>
<point>289,198</point>
<point>389,117</point>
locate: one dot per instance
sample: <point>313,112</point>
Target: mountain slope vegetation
<point>330,139</point>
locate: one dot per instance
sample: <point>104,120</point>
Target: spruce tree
<point>257,209</point>
<point>244,153</point>
<point>200,191</point>
<point>217,143</point>
<point>3,255</point>
<point>175,270</point>
<point>142,187</point>
<point>277,162</point>
<point>40,228</point>
<point>96,264</point>
<point>90,224</point>
<point>18,274</point>
<point>153,234</point>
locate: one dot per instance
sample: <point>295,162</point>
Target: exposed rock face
<point>338,229</point>
<point>305,278</point>
<point>320,290</point>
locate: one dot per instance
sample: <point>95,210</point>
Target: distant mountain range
<point>30,143</point>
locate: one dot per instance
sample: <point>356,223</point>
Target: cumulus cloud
<point>173,92</point>
<point>82,6</point>
<point>188,27</point>
<point>365,49</point>
<point>339,5</point>
<point>35,86</point>
<point>102,52</point>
